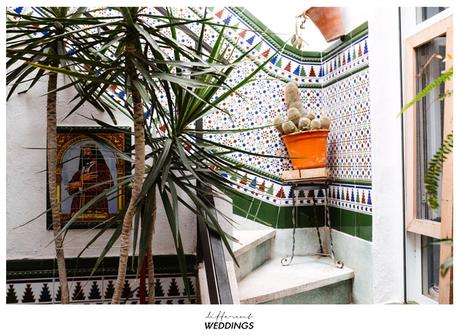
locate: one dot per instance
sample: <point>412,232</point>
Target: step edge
<point>255,243</point>
<point>298,289</point>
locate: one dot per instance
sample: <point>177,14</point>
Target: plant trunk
<point>149,252</point>
<point>139,169</point>
<point>51,134</point>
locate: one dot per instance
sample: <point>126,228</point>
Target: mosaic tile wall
<point>335,84</point>
<point>36,282</point>
<point>97,290</point>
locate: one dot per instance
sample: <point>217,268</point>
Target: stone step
<point>253,249</point>
<point>307,280</point>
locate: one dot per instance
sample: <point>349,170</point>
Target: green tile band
<point>350,222</point>
<point>41,268</point>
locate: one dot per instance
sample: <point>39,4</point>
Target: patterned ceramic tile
<point>98,290</point>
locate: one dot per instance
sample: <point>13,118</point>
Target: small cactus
<point>297,104</point>
<point>278,123</point>
<point>297,118</point>
<point>289,127</point>
<point>311,116</point>
<point>304,123</point>
<point>294,115</point>
<point>315,124</point>
<point>325,122</point>
<point>291,93</point>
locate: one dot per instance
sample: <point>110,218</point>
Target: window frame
<point>414,225</point>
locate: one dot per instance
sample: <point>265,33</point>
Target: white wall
<point>388,227</point>
<point>378,265</point>
<point>26,187</point>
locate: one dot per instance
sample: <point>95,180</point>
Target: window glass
<point>429,118</point>
<point>424,13</point>
<point>430,267</point>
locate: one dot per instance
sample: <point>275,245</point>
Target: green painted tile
<point>241,204</point>
<point>364,226</point>
<point>285,218</point>
<point>253,209</point>
<point>307,218</point>
<point>334,216</point>
<point>348,222</point>
<point>267,214</point>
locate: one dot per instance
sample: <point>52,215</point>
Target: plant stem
<point>139,166</point>
<point>149,252</point>
<point>51,134</point>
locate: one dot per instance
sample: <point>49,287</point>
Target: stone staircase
<point>261,279</point>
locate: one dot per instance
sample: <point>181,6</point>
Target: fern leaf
<point>435,169</point>
<point>442,78</point>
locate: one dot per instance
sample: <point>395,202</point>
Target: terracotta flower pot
<point>307,149</point>
<point>328,20</point>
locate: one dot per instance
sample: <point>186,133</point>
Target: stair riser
<point>337,293</point>
<point>252,259</point>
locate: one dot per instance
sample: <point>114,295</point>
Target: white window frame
<point>418,35</point>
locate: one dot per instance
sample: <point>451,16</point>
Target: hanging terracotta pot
<point>328,20</point>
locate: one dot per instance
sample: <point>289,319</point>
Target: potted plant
<point>304,134</point>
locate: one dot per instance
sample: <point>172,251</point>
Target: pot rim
<point>305,131</point>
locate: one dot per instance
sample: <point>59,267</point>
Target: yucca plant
<point>134,68</point>
<point>180,158</point>
<point>41,39</point>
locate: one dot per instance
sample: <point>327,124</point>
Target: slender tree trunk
<point>149,252</point>
<point>51,134</point>
<point>139,170</point>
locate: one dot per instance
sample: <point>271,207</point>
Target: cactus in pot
<point>294,115</point>
<point>278,123</point>
<point>325,122</point>
<point>315,124</point>
<point>289,127</point>
<point>291,93</point>
<point>311,116</point>
<point>297,119</point>
<point>304,123</point>
<point>298,105</point>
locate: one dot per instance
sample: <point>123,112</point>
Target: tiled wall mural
<point>334,83</point>
<point>97,290</point>
<point>36,281</point>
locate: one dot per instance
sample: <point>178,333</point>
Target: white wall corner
<point>387,183</point>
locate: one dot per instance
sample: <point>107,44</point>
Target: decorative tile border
<point>348,196</point>
<point>346,216</point>
<point>98,290</point>
<point>36,281</point>
<point>356,198</point>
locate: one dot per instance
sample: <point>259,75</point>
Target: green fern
<point>442,78</point>
<point>435,169</point>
